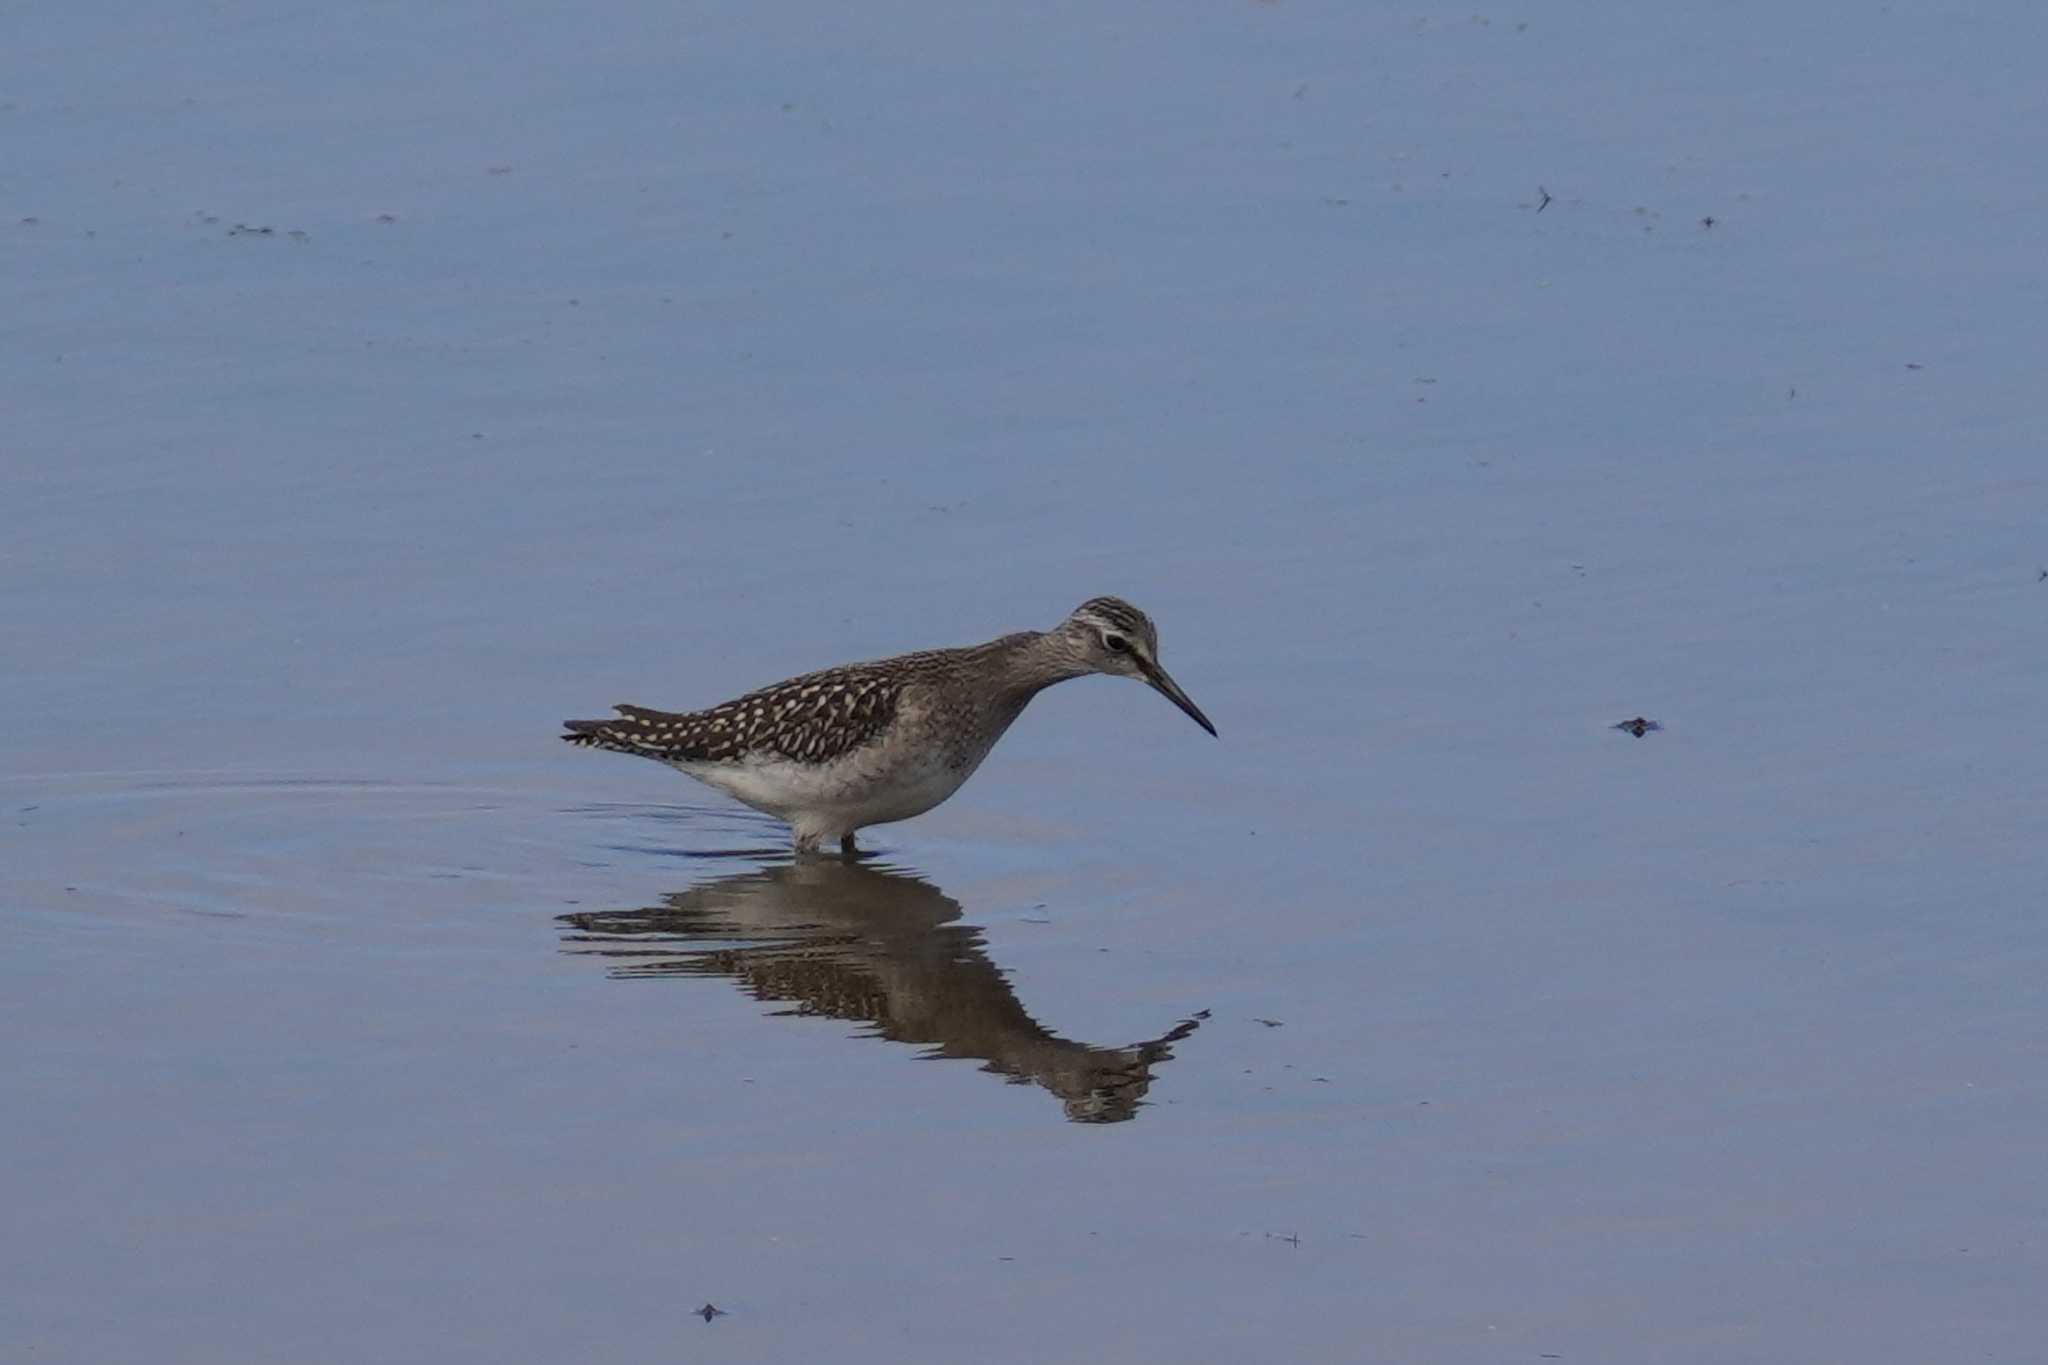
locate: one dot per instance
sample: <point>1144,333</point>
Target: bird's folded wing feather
<point>812,719</point>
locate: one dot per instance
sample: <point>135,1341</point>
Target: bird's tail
<point>630,732</point>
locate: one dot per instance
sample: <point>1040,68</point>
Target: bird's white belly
<point>868,787</point>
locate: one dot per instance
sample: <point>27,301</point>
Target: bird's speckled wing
<point>812,719</point>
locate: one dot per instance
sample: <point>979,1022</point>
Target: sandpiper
<point>865,744</point>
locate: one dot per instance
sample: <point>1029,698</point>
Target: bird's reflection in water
<point>854,941</point>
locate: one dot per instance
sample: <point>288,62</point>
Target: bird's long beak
<point>1169,689</point>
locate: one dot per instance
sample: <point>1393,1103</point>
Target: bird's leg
<point>847,848</point>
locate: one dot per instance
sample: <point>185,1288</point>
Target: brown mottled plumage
<point>868,743</point>
<point>812,719</point>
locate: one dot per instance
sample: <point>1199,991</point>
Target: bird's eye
<point>1116,644</point>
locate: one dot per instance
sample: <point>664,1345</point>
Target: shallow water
<point>1424,1015</point>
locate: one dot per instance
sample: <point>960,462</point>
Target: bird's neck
<point>1030,662</point>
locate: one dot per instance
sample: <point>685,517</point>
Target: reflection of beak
<point>1169,689</point>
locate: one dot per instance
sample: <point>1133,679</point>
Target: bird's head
<point>1109,635</point>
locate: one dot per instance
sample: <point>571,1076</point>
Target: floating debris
<point>1638,727</point>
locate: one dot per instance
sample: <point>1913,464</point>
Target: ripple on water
<point>281,850</point>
